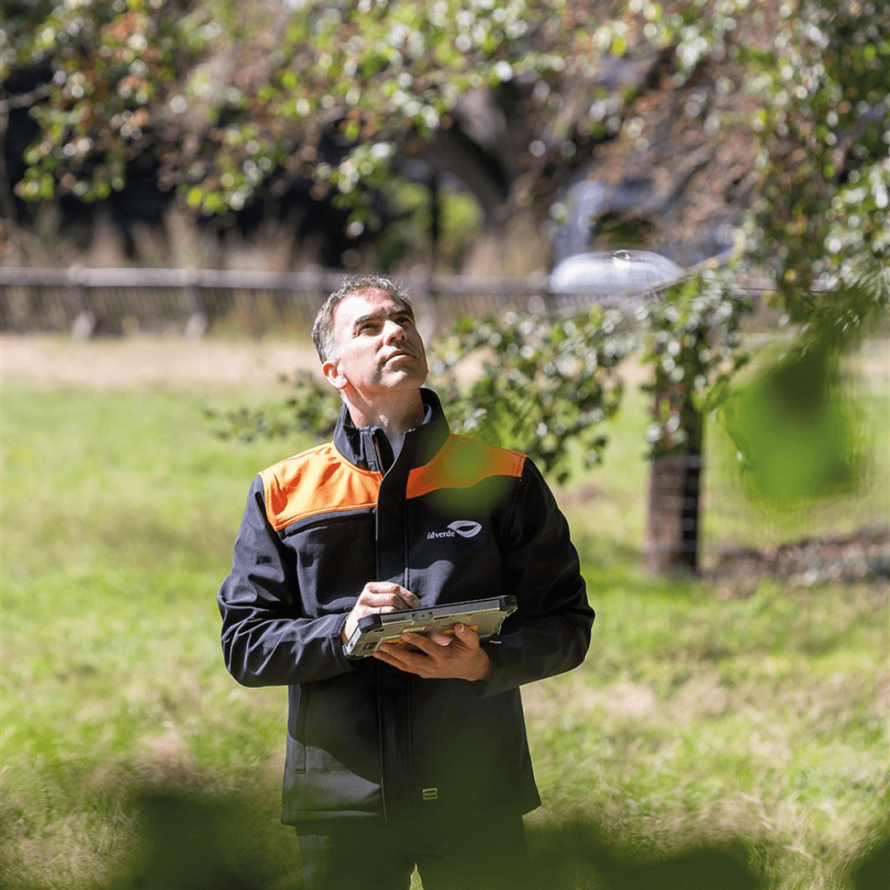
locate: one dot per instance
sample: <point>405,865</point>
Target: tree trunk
<point>675,487</point>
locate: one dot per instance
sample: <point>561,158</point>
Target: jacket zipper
<point>379,455</point>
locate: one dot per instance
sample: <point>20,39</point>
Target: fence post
<point>198,321</point>
<point>84,325</point>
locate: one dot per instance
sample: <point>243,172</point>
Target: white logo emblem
<point>466,528</point>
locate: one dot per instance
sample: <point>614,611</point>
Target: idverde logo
<point>463,527</point>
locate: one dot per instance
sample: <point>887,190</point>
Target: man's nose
<point>395,333</point>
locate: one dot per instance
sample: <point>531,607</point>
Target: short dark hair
<point>323,328</point>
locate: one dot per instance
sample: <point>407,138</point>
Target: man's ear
<point>331,370</point>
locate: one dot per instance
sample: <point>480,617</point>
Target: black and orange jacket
<point>363,738</point>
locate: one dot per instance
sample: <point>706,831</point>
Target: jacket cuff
<point>339,647</point>
<point>498,679</point>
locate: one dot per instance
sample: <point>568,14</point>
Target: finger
<point>374,590</point>
<point>398,597</point>
<point>397,658</point>
<point>385,593</point>
<point>421,642</point>
<point>395,602</point>
<point>382,602</point>
<point>467,635</point>
<point>384,653</point>
<point>408,598</point>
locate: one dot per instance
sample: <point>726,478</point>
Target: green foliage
<point>691,337</point>
<point>408,235</point>
<point>821,223</point>
<point>545,387</point>
<point>821,227</point>
<point>311,410</point>
<point>225,94</point>
<point>254,86</point>
<point>113,69</point>
<point>795,432</point>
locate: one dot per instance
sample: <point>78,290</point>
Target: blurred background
<point>648,244</point>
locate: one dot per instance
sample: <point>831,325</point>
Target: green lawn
<point>700,716</point>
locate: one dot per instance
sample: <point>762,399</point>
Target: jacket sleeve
<point>266,638</point>
<point>550,631</point>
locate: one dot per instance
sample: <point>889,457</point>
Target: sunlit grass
<point>696,716</point>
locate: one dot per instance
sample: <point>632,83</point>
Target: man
<point>417,755</point>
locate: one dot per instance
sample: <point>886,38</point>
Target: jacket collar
<point>369,449</point>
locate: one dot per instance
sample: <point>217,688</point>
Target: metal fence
<point>120,301</point>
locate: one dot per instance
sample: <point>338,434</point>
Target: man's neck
<point>395,419</point>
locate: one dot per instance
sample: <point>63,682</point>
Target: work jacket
<point>449,519</point>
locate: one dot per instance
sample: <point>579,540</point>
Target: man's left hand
<point>460,656</point>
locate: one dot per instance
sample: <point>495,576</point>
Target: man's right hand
<point>378,597</point>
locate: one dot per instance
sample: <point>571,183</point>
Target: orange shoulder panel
<point>462,463</point>
<point>314,482</point>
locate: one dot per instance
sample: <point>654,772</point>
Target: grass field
<point>705,713</point>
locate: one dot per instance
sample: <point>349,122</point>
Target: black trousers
<point>471,851</point>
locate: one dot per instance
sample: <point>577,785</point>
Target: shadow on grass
<point>188,842</point>
<point>578,856</point>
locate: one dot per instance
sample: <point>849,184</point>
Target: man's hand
<point>459,657</point>
<point>376,597</point>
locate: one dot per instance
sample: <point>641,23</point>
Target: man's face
<point>378,350</point>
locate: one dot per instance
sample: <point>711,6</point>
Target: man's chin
<point>407,366</point>
<point>407,378</point>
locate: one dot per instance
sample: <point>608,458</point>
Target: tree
<point>692,340</point>
<point>821,227</point>
<point>229,95</point>
<point>229,98</point>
